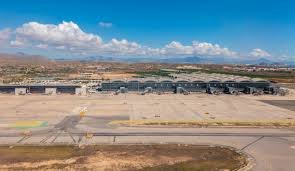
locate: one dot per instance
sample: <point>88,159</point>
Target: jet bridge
<point>181,90</point>
<point>147,90</point>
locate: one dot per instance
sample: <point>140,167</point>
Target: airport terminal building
<point>191,86</point>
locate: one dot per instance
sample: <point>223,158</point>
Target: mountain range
<point>22,58</point>
<point>188,60</point>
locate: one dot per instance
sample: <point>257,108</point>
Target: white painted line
<point>4,125</point>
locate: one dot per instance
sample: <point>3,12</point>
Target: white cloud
<point>5,35</point>
<point>197,48</point>
<point>42,46</point>
<point>285,57</point>
<point>60,47</point>
<point>123,47</point>
<point>259,53</point>
<point>105,24</point>
<point>68,36</point>
<point>176,48</point>
<point>16,43</point>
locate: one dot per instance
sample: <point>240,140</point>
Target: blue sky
<point>257,28</point>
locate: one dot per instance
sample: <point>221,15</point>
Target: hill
<point>23,59</point>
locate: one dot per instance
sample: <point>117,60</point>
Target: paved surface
<point>53,109</point>
<point>272,149</point>
<point>287,104</point>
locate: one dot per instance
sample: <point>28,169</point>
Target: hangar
<point>230,86</point>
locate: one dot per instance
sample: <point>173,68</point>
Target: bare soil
<point>121,157</point>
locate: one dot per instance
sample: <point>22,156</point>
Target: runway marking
<point>252,143</point>
<point>23,139</point>
<point>29,124</point>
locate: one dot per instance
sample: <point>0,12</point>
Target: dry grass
<point>121,157</point>
<point>207,123</point>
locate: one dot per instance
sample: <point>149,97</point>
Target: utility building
<point>38,89</point>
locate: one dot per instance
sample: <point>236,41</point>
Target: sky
<point>149,28</point>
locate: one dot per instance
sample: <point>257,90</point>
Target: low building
<point>38,89</point>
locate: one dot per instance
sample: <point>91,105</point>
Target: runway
<point>270,149</point>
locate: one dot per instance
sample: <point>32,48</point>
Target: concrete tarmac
<point>270,149</point>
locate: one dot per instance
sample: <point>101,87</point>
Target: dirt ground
<point>120,157</point>
<point>288,85</point>
<point>117,75</point>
